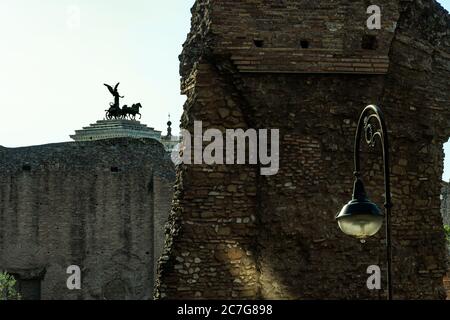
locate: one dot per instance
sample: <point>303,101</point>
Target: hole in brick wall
<point>26,167</point>
<point>258,43</point>
<point>369,42</point>
<point>150,186</point>
<point>115,169</point>
<point>304,44</point>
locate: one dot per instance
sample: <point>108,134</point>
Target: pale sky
<point>55,56</point>
<point>52,69</point>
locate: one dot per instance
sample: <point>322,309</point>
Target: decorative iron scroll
<point>372,130</point>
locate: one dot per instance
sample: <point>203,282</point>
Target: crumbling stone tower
<point>308,68</point>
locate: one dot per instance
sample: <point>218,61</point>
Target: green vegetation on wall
<point>8,287</point>
<point>447,233</point>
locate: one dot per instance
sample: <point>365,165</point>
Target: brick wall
<point>99,205</point>
<point>235,234</point>
<point>447,286</point>
<point>445,203</point>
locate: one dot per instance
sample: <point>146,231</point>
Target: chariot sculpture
<point>116,112</point>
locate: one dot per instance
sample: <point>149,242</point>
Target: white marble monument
<point>110,129</point>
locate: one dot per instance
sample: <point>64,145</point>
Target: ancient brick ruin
<point>309,68</point>
<point>100,205</point>
<point>445,203</point>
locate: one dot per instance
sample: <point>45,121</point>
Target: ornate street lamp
<point>362,218</point>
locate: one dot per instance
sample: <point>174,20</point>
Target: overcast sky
<point>55,56</point>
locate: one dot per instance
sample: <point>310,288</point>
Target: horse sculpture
<point>133,111</point>
<point>124,113</point>
<point>115,112</point>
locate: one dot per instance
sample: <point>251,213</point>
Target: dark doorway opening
<point>29,289</point>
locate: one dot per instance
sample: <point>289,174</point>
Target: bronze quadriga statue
<point>115,112</point>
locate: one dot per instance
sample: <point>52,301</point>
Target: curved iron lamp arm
<point>371,134</point>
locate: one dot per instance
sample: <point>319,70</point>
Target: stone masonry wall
<point>445,203</point>
<point>99,205</point>
<point>236,234</point>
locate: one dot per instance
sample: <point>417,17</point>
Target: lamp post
<point>362,218</point>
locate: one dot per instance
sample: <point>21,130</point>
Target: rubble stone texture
<point>100,205</point>
<point>445,203</point>
<point>299,66</point>
<point>447,286</point>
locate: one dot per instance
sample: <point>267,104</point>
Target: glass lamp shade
<point>360,219</point>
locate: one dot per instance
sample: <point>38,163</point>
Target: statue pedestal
<point>110,129</point>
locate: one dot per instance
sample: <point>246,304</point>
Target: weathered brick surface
<point>445,211</point>
<point>447,285</point>
<point>445,203</point>
<point>235,234</point>
<point>62,205</point>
